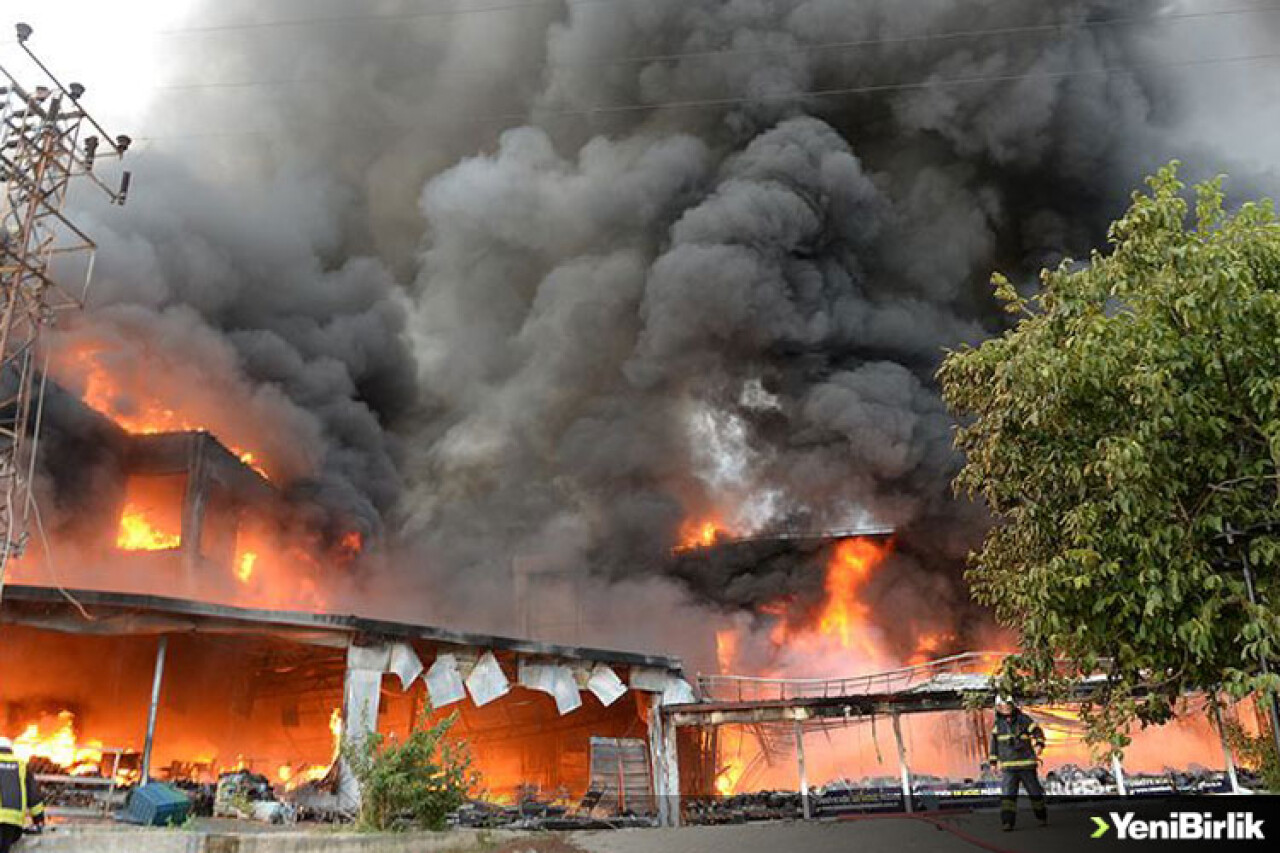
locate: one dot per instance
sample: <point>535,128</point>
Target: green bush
<point>1257,752</point>
<point>414,784</point>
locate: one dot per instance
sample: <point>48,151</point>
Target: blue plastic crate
<point>156,804</point>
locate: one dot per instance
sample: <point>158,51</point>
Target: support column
<point>361,695</point>
<point>664,756</point>
<point>157,681</point>
<point>1117,770</point>
<point>804,781</point>
<point>902,764</point>
<point>1227,757</point>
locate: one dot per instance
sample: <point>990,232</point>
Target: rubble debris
<point>249,796</point>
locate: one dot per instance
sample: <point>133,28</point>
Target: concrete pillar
<point>194,501</point>
<point>1117,770</point>
<point>157,681</point>
<point>665,758</point>
<point>362,692</point>
<point>1227,757</point>
<point>902,763</point>
<point>804,781</point>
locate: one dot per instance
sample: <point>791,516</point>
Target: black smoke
<point>549,282</point>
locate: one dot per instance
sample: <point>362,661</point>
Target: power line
<point>705,103</point>
<point>824,47</point>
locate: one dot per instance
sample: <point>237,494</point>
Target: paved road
<point>963,833</point>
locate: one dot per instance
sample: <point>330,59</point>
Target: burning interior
<point>272,692</point>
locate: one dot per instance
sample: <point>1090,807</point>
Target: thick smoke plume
<point>544,284</point>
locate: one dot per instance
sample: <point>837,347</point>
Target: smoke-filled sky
<point>542,281</point>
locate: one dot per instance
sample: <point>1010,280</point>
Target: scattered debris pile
<point>1072,780</point>
<point>245,795</point>
<point>534,811</point>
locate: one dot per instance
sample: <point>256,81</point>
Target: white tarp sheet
<point>487,681</point>
<point>405,663</point>
<point>555,679</point>
<point>444,682</point>
<point>604,682</point>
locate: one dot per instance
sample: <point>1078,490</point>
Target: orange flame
<point>244,566</point>
<point>844,616</point>
<point>293,779</point>
<point>350,545</point>
<point>59,745</point>
<point>729,776</point>
<point>928,646</point>
<point>144,414</point>
<point>140,532</point>
<point>701,534</point>
<point>275,568</point>
<point>726,649</point>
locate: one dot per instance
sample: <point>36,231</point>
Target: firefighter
<point>20,797</point>
<point>1016,744</point>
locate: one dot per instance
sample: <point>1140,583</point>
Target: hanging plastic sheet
<point>444,682</point>
<point>604,682</point>
<point>554,679</point>
<point>487,681</point>
<point>405,663</point>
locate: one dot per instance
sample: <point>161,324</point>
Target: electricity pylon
<point>48,142</point>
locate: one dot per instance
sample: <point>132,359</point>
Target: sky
<point>114,49</point>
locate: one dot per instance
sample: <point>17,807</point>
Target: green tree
<point>1129,417</point>
<point>414,784</point>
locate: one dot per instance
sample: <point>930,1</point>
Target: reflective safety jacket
<point>1015,740</point>
<point>19,793</point>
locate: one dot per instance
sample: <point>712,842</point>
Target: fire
<point>274,567</point>
<point>152,516</point>
<point>335,729</point>
<point>840,635</point>
<point>244,565</point>
<point>139,532</point>
<point>1062,727</point>
<point>726,649</point>
<point>844,615</point>
<point>292,779</point>
<point>928,646</point>
<point>59,745</point>
<point>701,534</point>
<point>350,545</point>
<point>728,777</point>
<point>133,410</point>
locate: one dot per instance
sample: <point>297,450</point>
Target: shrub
<point>414,784</point>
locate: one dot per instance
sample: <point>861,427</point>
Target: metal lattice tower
<point>48,142</point>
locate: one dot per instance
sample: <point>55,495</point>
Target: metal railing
<point>745,688</point>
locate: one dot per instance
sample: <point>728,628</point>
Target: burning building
<point>172,655</point>
<point>684,273</point>
<point>232,688</point>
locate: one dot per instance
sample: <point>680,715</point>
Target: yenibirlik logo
<point>1182,826</point>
